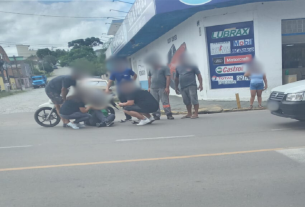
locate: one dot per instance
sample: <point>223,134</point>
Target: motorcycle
<point>47,116</point>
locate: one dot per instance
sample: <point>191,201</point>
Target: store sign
<point>230,69</point>
<point>238,59</point>
<point>242,78</point>
<point>229,53</point>
<point>243,50</point>
<point>140,13</point>
<point>240,43</point>
<point>231,33</point>
<point>220,48</point>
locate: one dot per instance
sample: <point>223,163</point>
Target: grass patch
<point>10,93</point>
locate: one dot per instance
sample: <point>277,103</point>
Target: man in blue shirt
<point>119,73</point>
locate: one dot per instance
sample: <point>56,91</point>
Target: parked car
<point>97,83</point>
<point>288,101</point>
<point>39,81</point>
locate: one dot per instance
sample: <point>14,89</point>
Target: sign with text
<point>230,48</point>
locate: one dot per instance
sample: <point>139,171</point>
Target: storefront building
<point>220,35</point>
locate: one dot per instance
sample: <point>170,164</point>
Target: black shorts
<point>54,96</point>
<point>136,108</point>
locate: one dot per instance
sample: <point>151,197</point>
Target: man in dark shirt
<point>139,103</point>
<point>74,108</point>
<point>158,85</point>
<point>57,89</point>
<point>186,75</point>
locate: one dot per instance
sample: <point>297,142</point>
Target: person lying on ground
<point>100,118</point>
<point>74,108</point>
<point>140,103</point>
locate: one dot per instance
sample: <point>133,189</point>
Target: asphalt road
<point>229,159</point>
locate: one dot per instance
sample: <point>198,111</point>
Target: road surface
<point>229,159</point>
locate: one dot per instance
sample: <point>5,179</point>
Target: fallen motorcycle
<point>47,116</point>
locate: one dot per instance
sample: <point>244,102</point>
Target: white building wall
<point>267,33</point>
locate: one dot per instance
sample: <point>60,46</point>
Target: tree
<point>90,42</point>
<point>77,53</point>
<point>89,67</point>
<point>46,66</point>
<point>41,53</point>
<point>50,59</point>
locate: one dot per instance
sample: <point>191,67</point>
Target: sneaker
<point>144,122</point>
<point>100,124</point>
<point>157,117</point>
<point>170,117</point>
<point>152,119</point>
<point>81,125</point>
<point>109,124</point>
<point>72,125</point>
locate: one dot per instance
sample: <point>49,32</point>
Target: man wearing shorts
<point>57,89</point>
<point>186,75</point>
<point>140,103</point>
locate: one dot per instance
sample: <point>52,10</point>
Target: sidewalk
<point>177,104</point>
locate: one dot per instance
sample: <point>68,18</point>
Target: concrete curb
<point>215,110</point>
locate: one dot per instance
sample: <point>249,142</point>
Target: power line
<point>42,15</point>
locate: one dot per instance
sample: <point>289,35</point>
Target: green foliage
<point>37,72</point>
<point>92,68</point>
<point>46,66</point>
<point>50,59</point>
<point>41,53</point>
<point>90,42</point>
<point>77,53</point>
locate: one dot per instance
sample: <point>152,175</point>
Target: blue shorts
<point>257,86</point>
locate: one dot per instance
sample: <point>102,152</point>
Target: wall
<point>268,41</point>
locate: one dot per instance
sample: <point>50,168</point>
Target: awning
<point>149,19</point>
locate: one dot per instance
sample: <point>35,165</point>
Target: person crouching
<point>140,103</point>
<point>74,108</point>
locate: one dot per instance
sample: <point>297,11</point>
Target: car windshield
<point>37,78</point>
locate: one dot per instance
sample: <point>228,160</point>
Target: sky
<point>42,32</point>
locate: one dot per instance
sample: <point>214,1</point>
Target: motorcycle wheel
<point>41,115</point>
<point>110,110</point>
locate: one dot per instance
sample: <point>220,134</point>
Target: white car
<point>288,101</point>
<point>98,84</point>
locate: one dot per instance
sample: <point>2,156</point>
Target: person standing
<point>119,73</point>
<point>158,86</point>
<point>258,82</point>
<point>186,75</point>
<point>58,89</point>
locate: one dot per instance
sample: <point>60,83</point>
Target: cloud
<point>41,32</point>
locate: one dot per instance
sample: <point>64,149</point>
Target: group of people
<point>136,102</point>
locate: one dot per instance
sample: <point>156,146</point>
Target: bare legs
<point>189,110</point>
<point>137,114</point>
<point>257,93</point>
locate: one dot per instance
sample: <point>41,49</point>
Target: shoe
<point>170,117</point>
<point>152,119</point>
<point>157,118</point>
<point>100,124</point>
<point>109,124</point>
<point>81,125</point>
<point>144,122</point>
<point>72,125</point>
